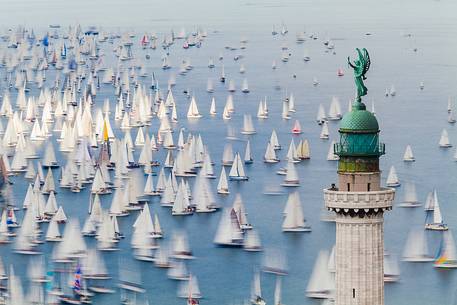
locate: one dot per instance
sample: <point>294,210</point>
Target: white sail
<point>324,131</point>
<point>408,155</point>
<point>410,196</point>
<point>416,248</point>
<point>192,112</point>
<point>432,197</point>
<point>270,154</point>
<point>229,232</point>
<point>291,178</point>
<point>274,140</point>
<point>247,153</point>
<point>392,178</point>
<point>331,156</point>
<point>391,269</point>
<point>222,186</point>
<point>294,220</point>
<point>277,293</point>
<point>190,289</point>
<point>303,151</point>
<point>334,112</point>
<point>321,117</point>
<point>237,169</point>
<point>321,284</point>
<point>248,125</point>
<point>212,110</point>
<point>256,290</point>
<point>252,241</point>
<point>444,139</point>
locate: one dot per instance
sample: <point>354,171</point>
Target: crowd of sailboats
<point>81,116</point>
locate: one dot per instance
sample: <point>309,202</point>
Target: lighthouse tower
<point>359,202</point>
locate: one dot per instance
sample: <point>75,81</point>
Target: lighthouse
<point>359,202</point>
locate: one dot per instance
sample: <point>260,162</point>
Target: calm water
<point>411,117</point>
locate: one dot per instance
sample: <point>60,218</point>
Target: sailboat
<point>270,154</point>
<point>49,158</point>
<point>181,248</point>
<point>444,139</point>
<point>229,233</point>
<point>392,91</point>
<point>237,170</point>
<point>245,87</point>
<point>391,269</point>
<point>321,117</point>
<point>277,293</point>
<point>334,112</point>
<point>291,178</point>
<point>247,154</point>
<point>392,178</point>
<point>321,284</point>
<point>240,213</point>
<point>212,110</point>
<point>294,220</point>
<point>302,150</point>
<point>306,56</point>
<point>231,86</point>
<point>248,126</point>
<point>252,241</point>
<point>209,86</point>
<point>416,248</point>
<point>178,271</point>
<point>222,186</point>
<point>447,253</point>
<point>256,291</point>
<point>331,156</point>
<point>324,131</point>
<point>262,113</point>
<point>181,205</point>
<point>190,290</point>
<point>410,197</point>
<point>274,140</point>
<point>192,112</point>
<point>451,118</point>
<point>297,128</point>
<point>408,155</point>
<point>432,198</point>
<point>436,222</point>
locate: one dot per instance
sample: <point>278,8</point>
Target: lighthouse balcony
<point>374,200</point>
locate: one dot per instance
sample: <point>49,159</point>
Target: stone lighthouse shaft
<point>359,202</point>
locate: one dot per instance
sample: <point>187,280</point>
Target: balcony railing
<point>381,199</point>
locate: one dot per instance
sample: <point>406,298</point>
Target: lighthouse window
<point>353,293</point>
<point>349,187</point>
<point>368,187</point>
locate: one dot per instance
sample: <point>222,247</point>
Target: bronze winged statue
<point>360,66</point>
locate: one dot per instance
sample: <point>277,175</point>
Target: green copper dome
<point>359,134</point>
<point>359,120</point>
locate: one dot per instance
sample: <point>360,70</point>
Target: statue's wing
<point>366,60</point>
